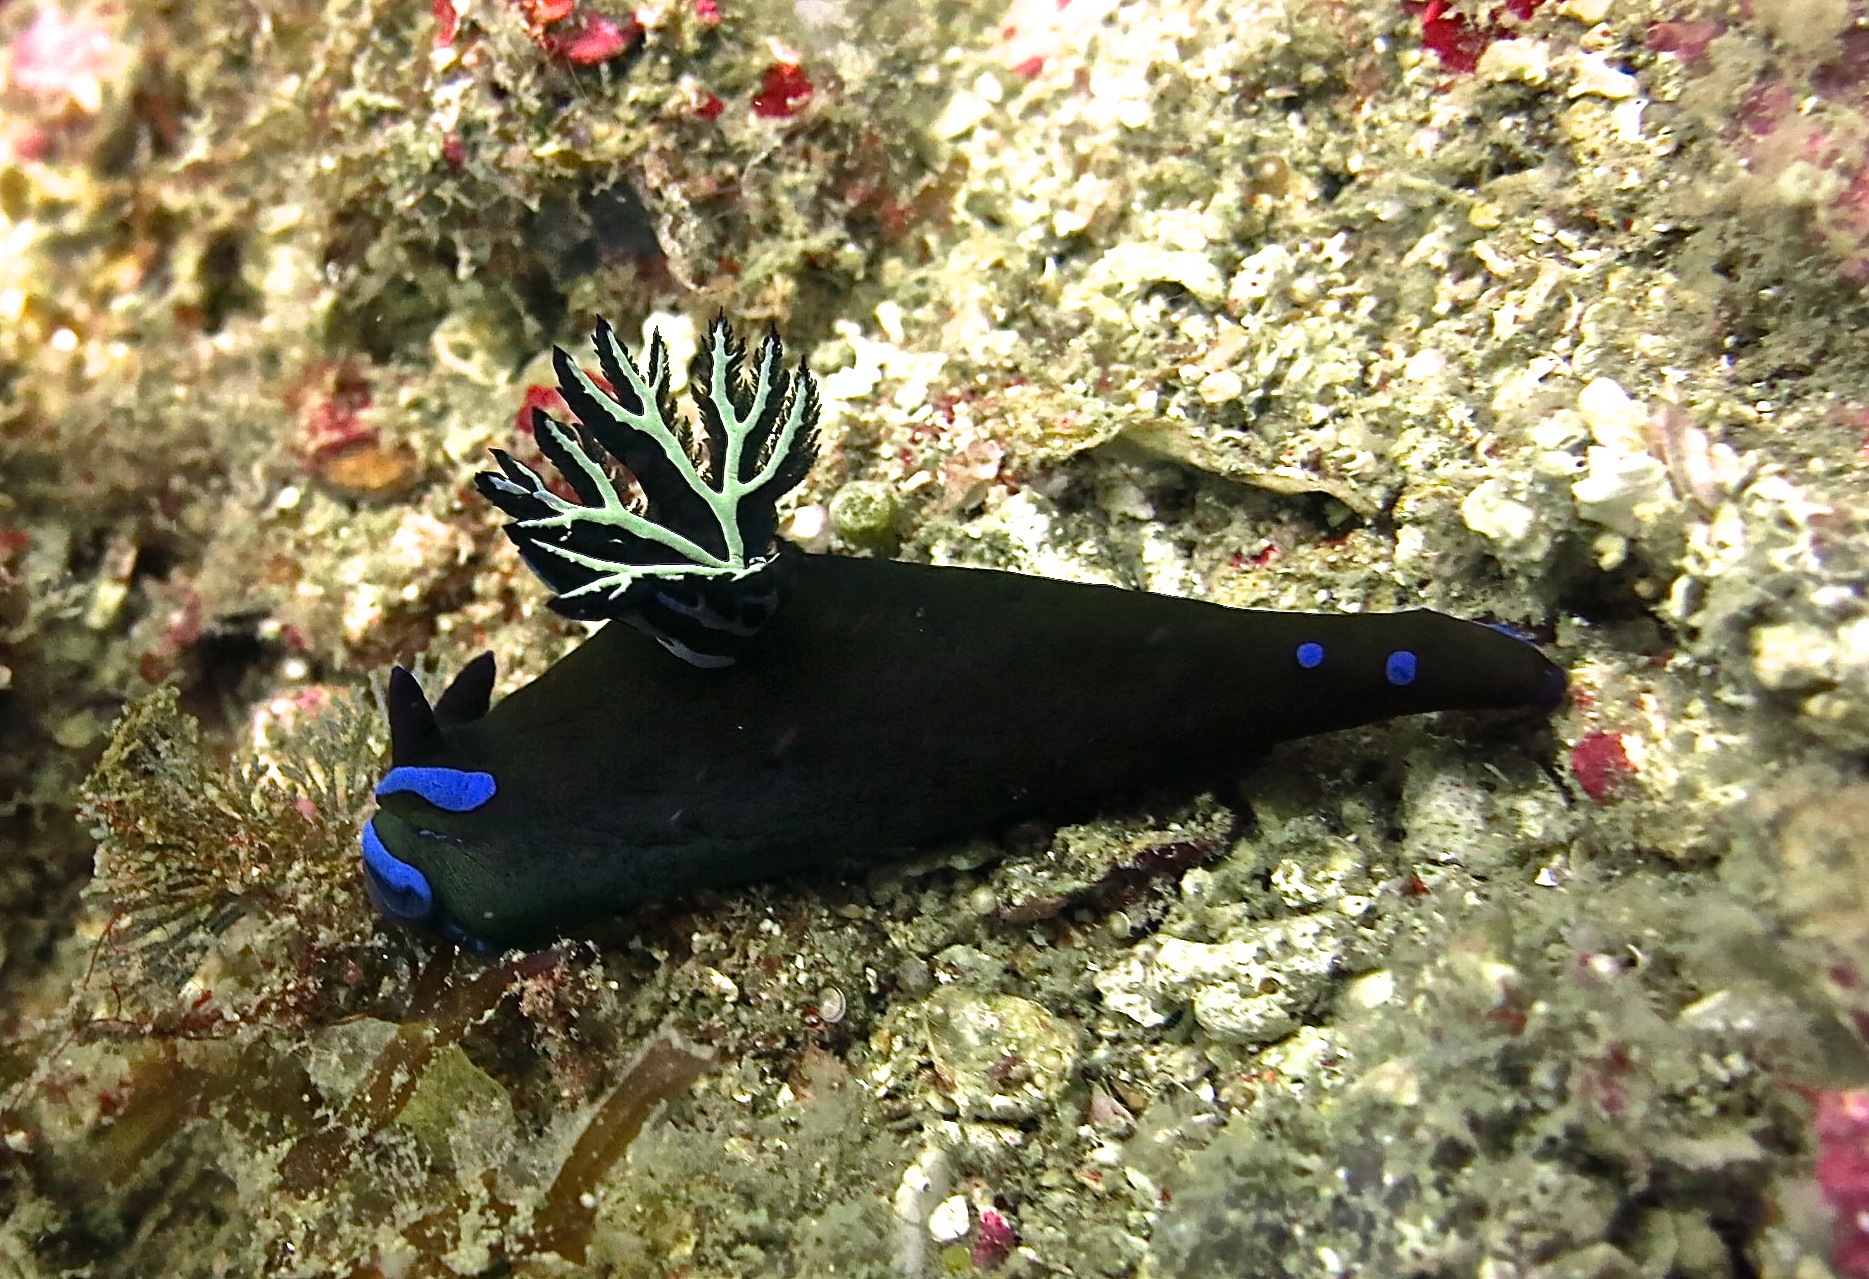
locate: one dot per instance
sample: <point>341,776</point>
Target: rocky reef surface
<point>1549,313</point>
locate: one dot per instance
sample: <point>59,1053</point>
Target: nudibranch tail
<point>695,561</point>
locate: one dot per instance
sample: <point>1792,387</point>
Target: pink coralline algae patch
<point>576,34</point>
<point>447,22</point>
<point>783,91</point>
<point>1601,766</point>
<point>539,396</point>
<point>1456,39</point>
<point>66,56</point>
<point>1846,76</point>
<point>1688,41</point>
<point>341,448</point>
<point>1797,132</point>
<point>329,418</point>
<point>585,40</point>
<point>993,1241</point>
<point>1843,1175</point>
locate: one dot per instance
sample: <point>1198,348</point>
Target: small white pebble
<point>1494,514</point>
<point>950,1219</point>
<point>1134,113</point>
<point>1371,990</point>
<point>1596,78</point>
<point>1256,277</point>
<point>963,111</point>
<point>810,527</point>
<point>1526,61</point>
<point>1615,420</point>
<point>1222,386</point>
<point>1794,656</point>
<point>1355,905</point>
<point>889,320</point>
<point>1424,365</point>
<point>1602,966</point>
<point>1589,12</point>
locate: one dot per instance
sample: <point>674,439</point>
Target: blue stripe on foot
<point>398,889</point>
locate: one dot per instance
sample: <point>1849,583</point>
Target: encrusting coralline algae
<point>1548,313</point>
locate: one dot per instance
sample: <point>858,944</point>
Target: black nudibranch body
<point>752,709</point>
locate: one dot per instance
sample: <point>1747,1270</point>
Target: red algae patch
<point>1601,766</point>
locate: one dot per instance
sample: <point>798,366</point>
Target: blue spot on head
<point>1400,668</point>
<point>1310,656</point>
<point>398,889</point>
<point>449,789</point>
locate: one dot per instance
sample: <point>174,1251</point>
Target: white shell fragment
<point>998,1056</point>
<point>1251,989</point>
<point>1491,511</point>
<point>950,1219</point>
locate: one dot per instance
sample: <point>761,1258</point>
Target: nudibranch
<point>752,709</point>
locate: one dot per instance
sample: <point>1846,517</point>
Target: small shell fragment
<point>950,1219</point>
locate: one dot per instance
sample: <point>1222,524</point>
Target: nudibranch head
<point>397,887</point>
<point>407,844</point>
<point>689,554</point>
